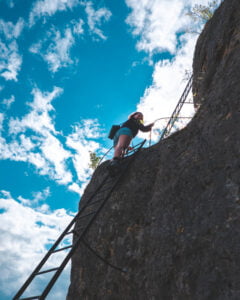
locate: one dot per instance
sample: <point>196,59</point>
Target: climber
<point>126,133</point>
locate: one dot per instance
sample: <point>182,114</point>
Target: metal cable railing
<point>78,227</point>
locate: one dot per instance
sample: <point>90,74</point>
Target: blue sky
<point>68,71</point>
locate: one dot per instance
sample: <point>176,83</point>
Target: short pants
<point>121,131</point>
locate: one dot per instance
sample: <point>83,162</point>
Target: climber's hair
<point>133,114</point>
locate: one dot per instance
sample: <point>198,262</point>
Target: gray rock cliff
<point>174,220</point>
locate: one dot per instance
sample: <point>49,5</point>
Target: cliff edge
<point>174,220</point>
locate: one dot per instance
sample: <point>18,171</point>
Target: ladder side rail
<point>109,151</point>
<point>54,246</point>
<point>71,252</point>
<point>177,109</point>
<point>139,145</point>
<point>183,98</point>
<point>56,275</point>
<point>135,149</point>
<point>45,258</point>
<point>172,119</point>
<point>93,195</point>
<point>76,244</point>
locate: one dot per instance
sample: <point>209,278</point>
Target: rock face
<point>174,220</point>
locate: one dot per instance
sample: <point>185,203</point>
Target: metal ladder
<point>177,109</point>
<point>84,219</point>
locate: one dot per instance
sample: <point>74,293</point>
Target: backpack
<point>113,131</point>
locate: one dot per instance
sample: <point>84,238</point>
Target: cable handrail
<point>172,119</point>
<point>87,215</point>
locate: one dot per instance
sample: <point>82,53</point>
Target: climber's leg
<point>122,144</point>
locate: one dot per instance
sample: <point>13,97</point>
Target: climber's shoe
<point>114,166</point>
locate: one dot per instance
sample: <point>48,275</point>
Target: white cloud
<point>95,18</point>
<point>43,8</point>
<point>8,101</point>
<point>34,139</point>
<point>1,121</point>
<point>41,148</point>
<point>160,99</point>
<point>39,118</point>
<point>38,197</point>
<point>56,46</point>
<point>27,234</point>
<point>10,60</point>
<point>157,23</point>
<point>10,3</point>
<point>10,30</point>
<point>78,26</point>
<point>57,53</point>
<point>80,141</point>
<point>159,26</point>
<point>57,156</point>
<point>76,188</point>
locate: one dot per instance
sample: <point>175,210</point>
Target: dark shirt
<point>134,125</point>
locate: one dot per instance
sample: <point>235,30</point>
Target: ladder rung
<point>87,214</point>
<point>74,231</point>
<point>46,271</point>
<point>70,232</point>
<point>131,151</point>
<point>108,181</point>
<point>77,229</point>
<point>105,189</point>
<point>61,249</point>
<point>94,202</point>
<point>30,298</point>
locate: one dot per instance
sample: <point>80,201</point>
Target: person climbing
<point>126,133</point>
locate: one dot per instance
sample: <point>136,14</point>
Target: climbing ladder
<point>175,114</point>
<point>79,227</point>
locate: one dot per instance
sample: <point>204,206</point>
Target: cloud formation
<point>55,48</point>
<point>28,230</point>
<point>156,22</point>
<point>78,26</point>
<point>10,30</point>
<point>10,3</point>
<point>58,53</point>
<point>34,139</point>
<point>161,27</point>
<point>1,121</point>
<point>81,140</point>
<point>7,102</point>
<point>46,8</point>
<point>41,147</point>
<point>95,18</point>
<point>159,99</point>
<point>10,59</point>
